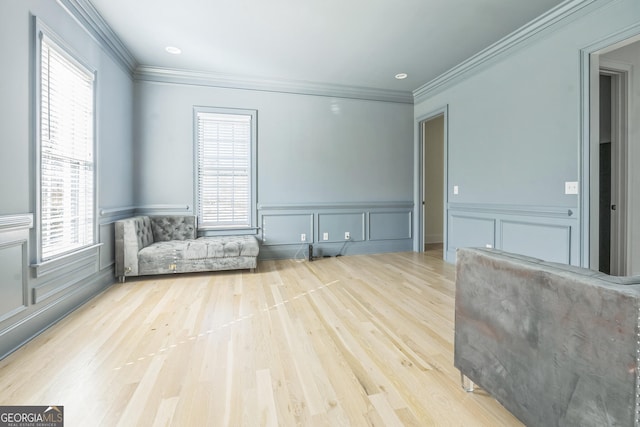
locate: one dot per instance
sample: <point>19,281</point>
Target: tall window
<point>66,153</point>
<point>225,167</point>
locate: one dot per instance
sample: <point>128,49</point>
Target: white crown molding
<point>87,15</point>
<point>569,8</point>
<point>203,78</point>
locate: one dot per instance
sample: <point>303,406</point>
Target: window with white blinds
<point>224,168</point>
<point>66,153</point>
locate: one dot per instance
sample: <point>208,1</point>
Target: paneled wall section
<point>371,227</point>
<point>547,233</point>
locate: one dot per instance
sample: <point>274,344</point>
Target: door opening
<point>609,169</point>
<point>433,172</point>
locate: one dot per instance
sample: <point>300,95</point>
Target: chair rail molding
<point>547,211</point>
<point>16,222</point>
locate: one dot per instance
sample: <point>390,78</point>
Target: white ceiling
<point>362,43</point>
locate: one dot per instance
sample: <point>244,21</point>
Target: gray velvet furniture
<point>556,345</point>
<point>167,244</point>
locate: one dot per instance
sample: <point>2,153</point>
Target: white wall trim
<point>336,206</point>
<point>113,212</point>
<point>418,180</point>
<point>587,67</point>
<point>90,19</point>
<point>163,210</point>
<point>488,55</point>
<point>202,78</point>
<point>62,262</point>
<point>16,222</point>
<point>521,210</point>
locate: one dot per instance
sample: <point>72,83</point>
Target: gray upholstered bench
<point>148,245</point>
<point>557,345</point>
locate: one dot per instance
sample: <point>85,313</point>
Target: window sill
<point>81,256</point>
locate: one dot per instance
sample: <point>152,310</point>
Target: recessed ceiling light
<point>401,76</point>
<point>173,50</point>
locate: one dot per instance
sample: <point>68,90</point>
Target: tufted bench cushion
<point>205,253</point>
<point>168,244</point>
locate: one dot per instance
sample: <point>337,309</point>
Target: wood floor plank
<point>348,341</point>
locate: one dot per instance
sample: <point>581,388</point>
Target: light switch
<point>455,189</point>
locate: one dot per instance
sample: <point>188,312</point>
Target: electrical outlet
<point>347,235</point>
<point>325,236</point>
<point>571,187</point>
<point>303,237</point>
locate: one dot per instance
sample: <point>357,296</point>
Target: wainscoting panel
<point>286,229</point>
<point>374,228</point>
<point>66,273</point>
<point>336,224</point>
<point>106,232</point>
<point>35,296</point>
<point>107,238</point>
<point>14,265</point>
<point>546,241</point>
<point>548,233</point>
<point>389,225</point>
<point>13,280</point>
<point>469,231</point>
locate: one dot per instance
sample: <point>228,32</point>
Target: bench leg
<point>121,279</point>
<point>466,383</point>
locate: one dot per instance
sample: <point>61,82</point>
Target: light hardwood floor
<point>357,340</point>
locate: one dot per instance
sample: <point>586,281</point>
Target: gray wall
<point>317,155</point>
<point>34,298</point>
<point>514,138</point>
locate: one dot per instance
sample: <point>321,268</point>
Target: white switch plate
<point>347,235</point>
<point>455,189</point>
<point>325,236</point>
<point>571,187</point>
<point>303,237</point>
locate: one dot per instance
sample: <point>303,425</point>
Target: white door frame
<point>419,180</point>
<point>590,75</point>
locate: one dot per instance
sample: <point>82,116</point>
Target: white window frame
<point>43,33</point>
<point>250,226</point>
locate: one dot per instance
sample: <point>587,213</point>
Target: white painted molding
<point>16,222</point>
<point>158,209</point>
<point>89,18</point>
<point>202,78</point>
<point>336,206</point>
<point>486,56</point>
<point>117,211</point>
<point>85,255</point>
<point>520,210</point>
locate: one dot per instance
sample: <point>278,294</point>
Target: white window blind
<point>66,154</point>
<point>224,170</point>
